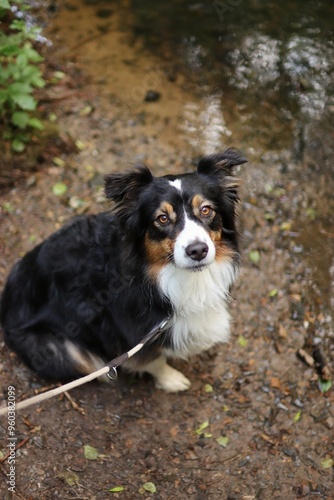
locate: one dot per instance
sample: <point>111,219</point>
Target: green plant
<point>20,75</point>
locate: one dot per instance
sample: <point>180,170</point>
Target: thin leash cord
<point>110,369</point>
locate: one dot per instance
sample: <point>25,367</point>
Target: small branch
<point>22,443</point>
<point>74,404</point>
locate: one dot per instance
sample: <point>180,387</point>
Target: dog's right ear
<point>123,188</point>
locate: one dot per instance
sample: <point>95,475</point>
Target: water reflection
<point>302,68</point>
<point>193,53</point>
<point>256,62</point>
<point>309,64</point>
<point>204,124</point>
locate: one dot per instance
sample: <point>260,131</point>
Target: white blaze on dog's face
<point>193,248</point>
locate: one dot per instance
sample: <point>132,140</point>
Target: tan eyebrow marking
<point>198,202</point>
<point>166,208</point>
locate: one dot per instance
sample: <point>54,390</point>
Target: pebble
<point>152,96</point>
<point>329,422</point>
<point>289,451</point>
<point>298,403</point>
<point>38,441</point>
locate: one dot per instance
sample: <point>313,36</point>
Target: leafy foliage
<point>20,75</point>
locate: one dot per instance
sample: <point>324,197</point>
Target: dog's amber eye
<point>206,211</point>
<point>163,219</point>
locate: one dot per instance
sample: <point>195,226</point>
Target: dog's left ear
<point>123,188</point>
<point>221,163</point>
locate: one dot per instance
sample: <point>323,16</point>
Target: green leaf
<point>8,207</point>
<point>80,145</point>
<point>208,388</point>
<point>254,256</point>
<point>18,145</point>
<point>36,123</point>
<point>33,76</point>
<point>286,226</point>
<point>86,110</point>
<point>6,74</point>
<point>10,45</point>
<point>201,428</point>
<point>327,463</point>
<point>242,341</point>
<point>58,161</point>
<point>38,81</point>
<point>20,119</point>
<point>59,75</point>
<point>18,24</point>
<point>312,213</point>
<point>25,101</point>
<point>273,292</point>
<point>3,96</point>
<point>59,189</point>
<point>52,117</point>
<point>325,385</point>
<point>19,88</point>
<point>32,54</point>
<point>268,216</point>
<point>90,452</point>
<point>4,4</point>
<point>223,441</point>
<point>116,489</point>
<point>69,478</point>
<point>296,418</point>
<point>22,61</point>
<point>150,487</point>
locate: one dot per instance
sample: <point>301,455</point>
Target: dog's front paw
<point>171,380</point>
<point>166,377</point>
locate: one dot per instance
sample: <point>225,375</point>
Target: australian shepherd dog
<point>168,248</point>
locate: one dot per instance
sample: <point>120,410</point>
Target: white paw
<point>166,377</point>
<point>171,380</point>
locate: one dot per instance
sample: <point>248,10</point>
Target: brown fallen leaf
<point>306,357</point>
<point>275,383</point>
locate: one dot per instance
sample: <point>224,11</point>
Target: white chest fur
<point>200,319</point>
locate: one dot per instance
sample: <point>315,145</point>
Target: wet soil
<point>265,397</point>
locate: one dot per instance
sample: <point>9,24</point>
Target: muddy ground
<point>258,420</point>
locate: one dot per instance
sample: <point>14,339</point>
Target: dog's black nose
<point>197,251</point>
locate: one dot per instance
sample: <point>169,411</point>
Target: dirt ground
<point>258,421</point>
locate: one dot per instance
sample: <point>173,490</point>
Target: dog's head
<point>187,220</point>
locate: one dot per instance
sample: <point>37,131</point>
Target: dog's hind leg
<point>85,361</point>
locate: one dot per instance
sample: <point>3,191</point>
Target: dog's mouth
<point>196,268</point>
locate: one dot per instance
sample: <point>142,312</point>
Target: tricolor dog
<point>168,248</point>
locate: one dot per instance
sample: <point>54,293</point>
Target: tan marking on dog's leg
<point>85,361</point>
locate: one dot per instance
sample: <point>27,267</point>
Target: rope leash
<point>110,369</point>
